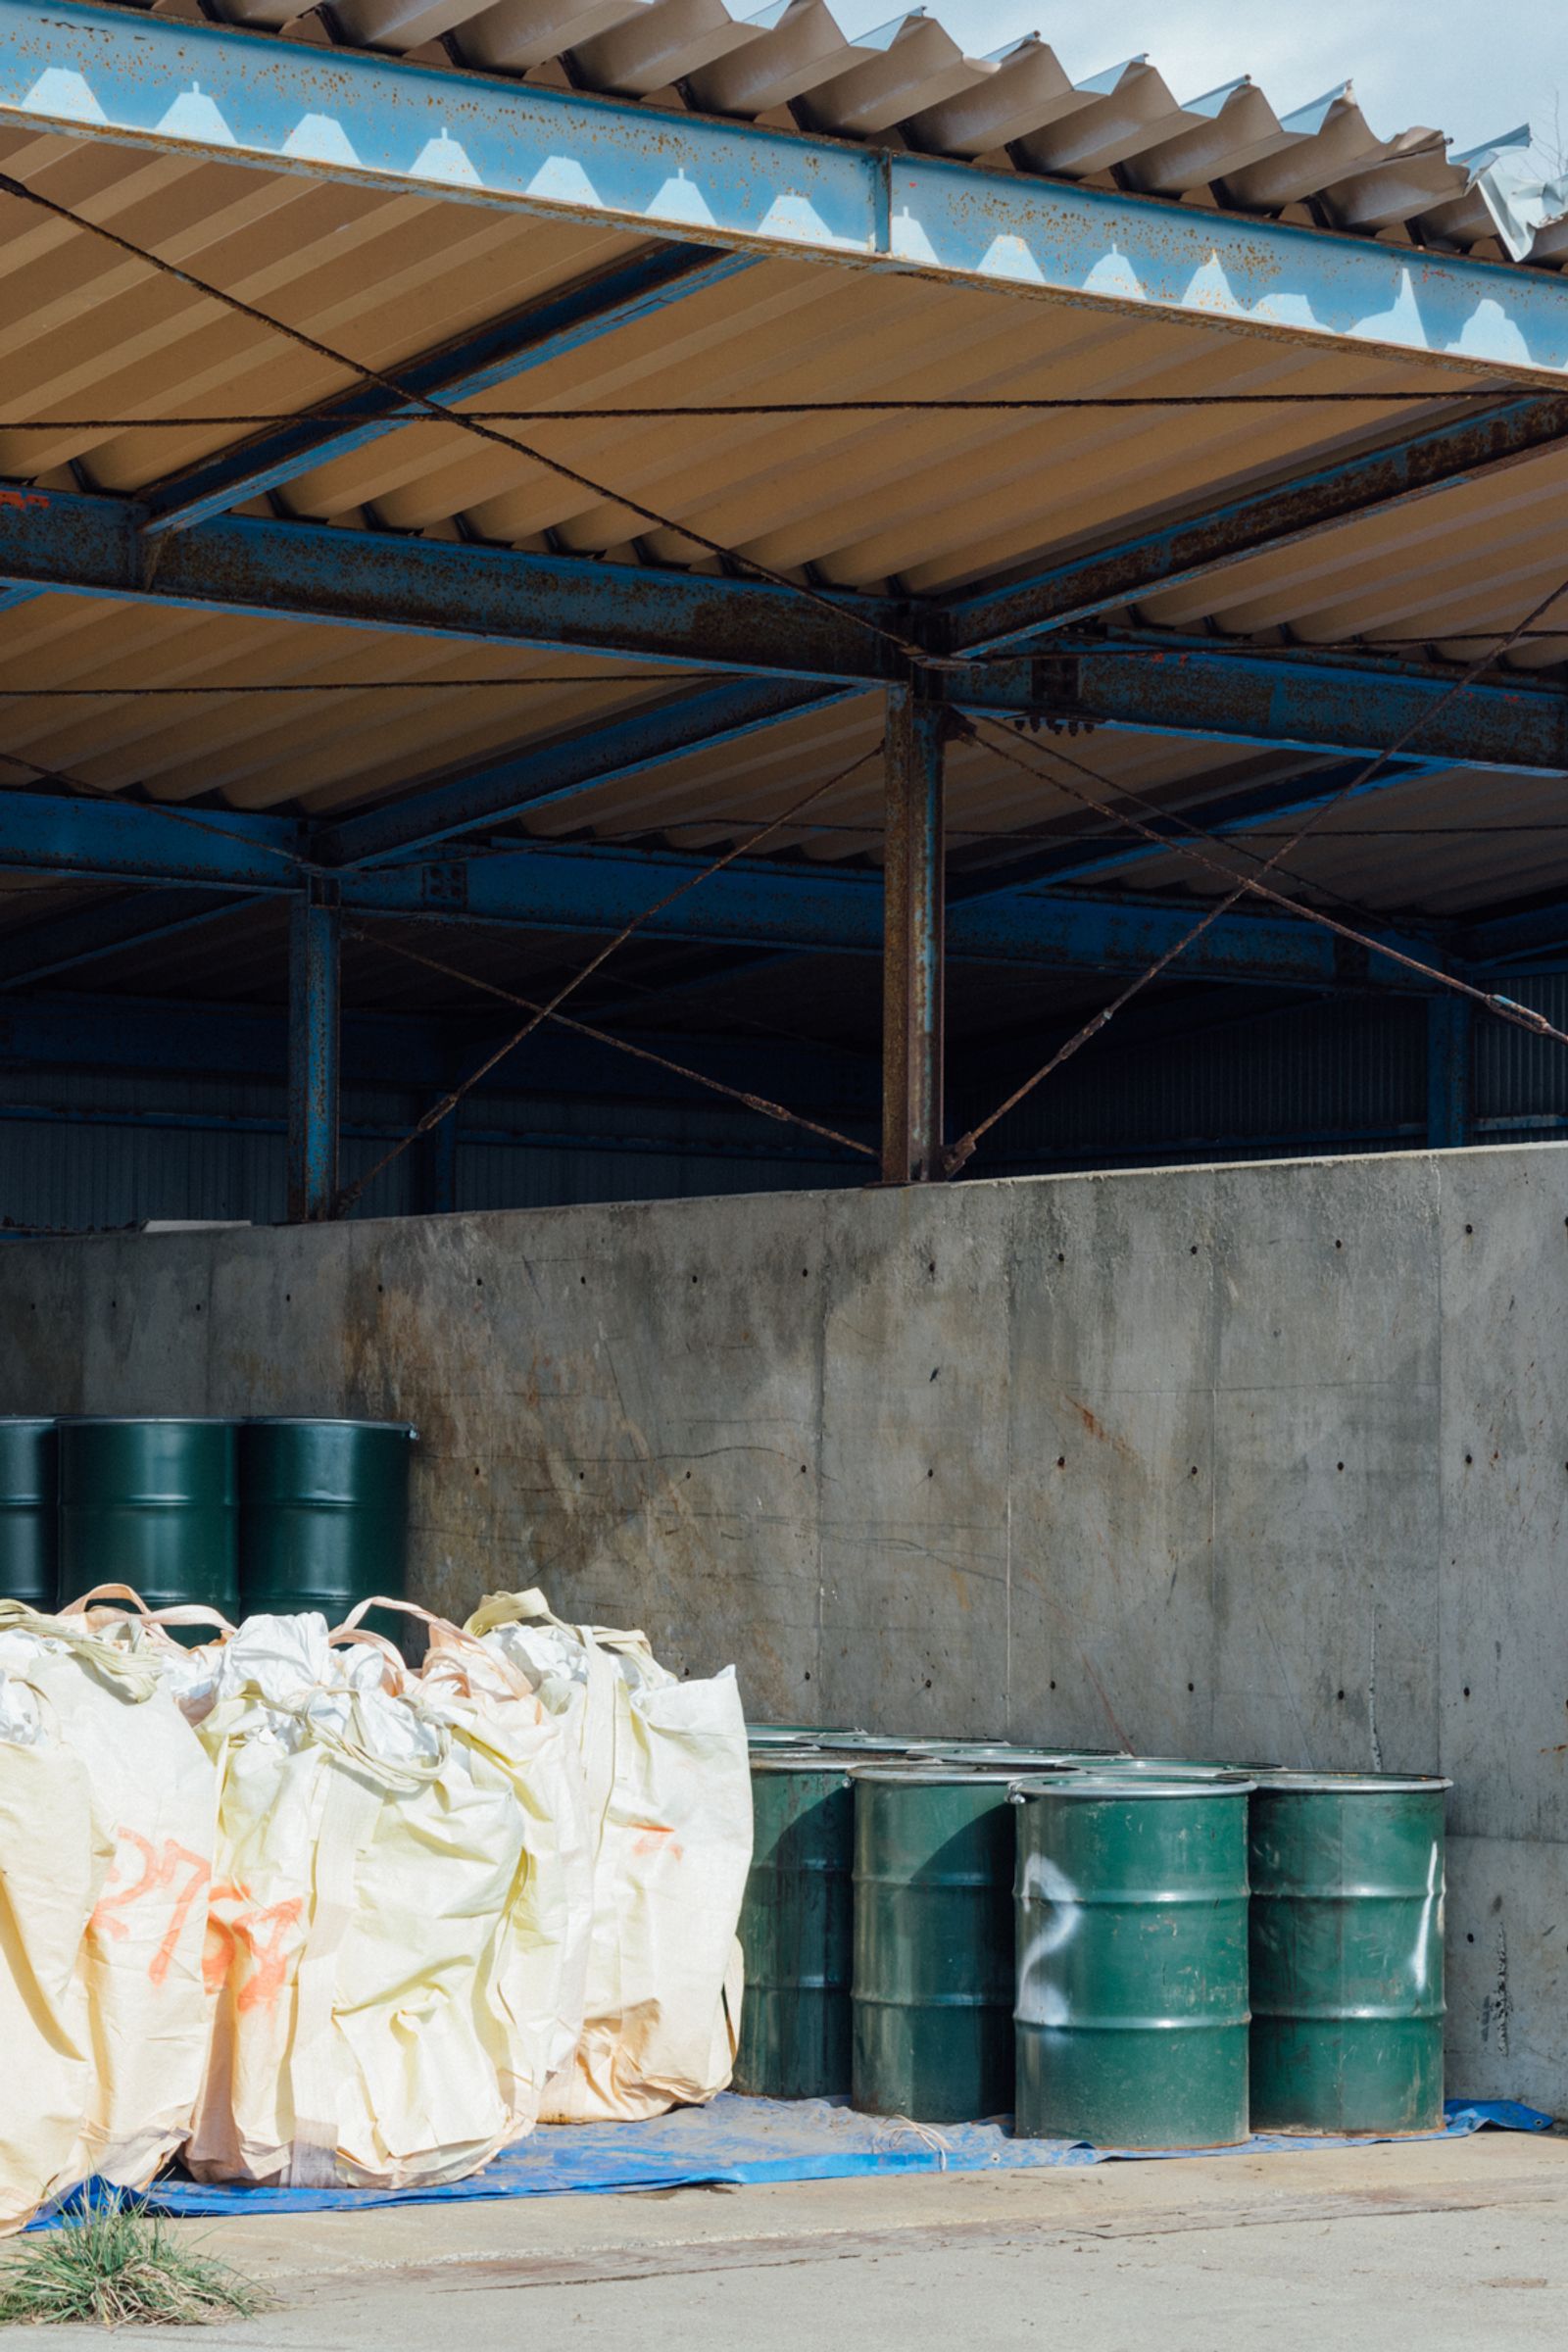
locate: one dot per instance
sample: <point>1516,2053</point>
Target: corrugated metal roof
<point>909,83</point>
<point>920,505</point>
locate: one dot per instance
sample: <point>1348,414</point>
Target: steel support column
<point>314,952</point>
<point>1450,1031</point>
<point>913,941</point>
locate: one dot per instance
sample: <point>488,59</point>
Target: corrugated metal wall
<point>81,1151</point>
<point>1312,1077</point>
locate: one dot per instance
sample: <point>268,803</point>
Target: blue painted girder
<point>1293,702</point>
<point>646,738</point>
<point>1236,812</point>
<point>1532,933</point>
<point>1259,522</point>
<point>94,545</point>
<point>111,74</point>
<point>308,571</point>
<point>495,353</point>
<point>752,904</point>
<point>141,918</point>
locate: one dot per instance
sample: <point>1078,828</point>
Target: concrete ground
<point>1446,2244</point>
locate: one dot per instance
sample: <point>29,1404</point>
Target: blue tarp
<point>738,2140</point>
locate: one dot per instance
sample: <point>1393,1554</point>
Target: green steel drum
<point>996,1757</point>
<point>867,1746</point>
<point>27,1552</point>
<point>1132,2015</point>
<point>795,1931</point>
<point>933,1944</point>
<point>324,1515</point>
<point>150,1504</point>
<point>1348,2001</point>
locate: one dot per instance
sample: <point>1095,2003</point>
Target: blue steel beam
<point>1306,705</point>
<point>1535,932</point>
<point>125,840</point>
<point>315,983</point>
<point>645,738</point>
<point>459,371</point>
<point>94,545</point>
<point>141,919</point>
<point>751,904</point>
<point>755,903</point>
<point>1259,522</point>
<point>287,107</point>
<point>308,571</point>
<point>1233,812</point>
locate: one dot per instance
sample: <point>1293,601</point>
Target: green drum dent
<point>150,1504</point>
<point>933,1944</point>
<point>29,1557</point>
<point>1132,2006</point>
<point>797,1933</point>
<point>1347,1945</point>
<point>324,1515</point>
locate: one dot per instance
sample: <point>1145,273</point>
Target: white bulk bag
<point>108,1736</point>
<point>54,1865</point>
<point>669,1807</point>
<point>370,1910</point>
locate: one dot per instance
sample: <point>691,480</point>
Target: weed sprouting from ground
<point>120,2267</point>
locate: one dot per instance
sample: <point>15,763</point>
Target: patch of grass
<point>120,2267</point>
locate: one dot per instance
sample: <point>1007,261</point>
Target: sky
<point>1474,72</point>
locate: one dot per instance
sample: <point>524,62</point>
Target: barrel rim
<point>319,1421</point>
<point>802,1763</point>
<point>146,1421</point>
<point>1350,1784</point>
<point>933,1777</point>
<point>1094,1785</point>
<point>29,1420</point>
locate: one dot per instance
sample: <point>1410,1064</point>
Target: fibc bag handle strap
<point>446,1635</point>
<point>136,1610</point>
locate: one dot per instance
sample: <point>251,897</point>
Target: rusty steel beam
<point>1262,522</point>
<point>913,941</point>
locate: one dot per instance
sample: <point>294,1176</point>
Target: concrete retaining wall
<point>1268,1461</point>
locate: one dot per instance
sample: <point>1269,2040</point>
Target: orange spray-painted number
<point>159,1871</point>
<point>236,1924</point>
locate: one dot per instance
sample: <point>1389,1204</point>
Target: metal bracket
<point>445,884</point>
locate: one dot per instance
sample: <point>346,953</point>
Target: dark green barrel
<point>324,1515</point>
<point>150,1504</point>
<point>868,1745</point>
<point>1347,2007</point>
<point>28,1554</point>
<point>933,1944</point>
<point>795,1931</point>
<point>1131,2014</point>
<point>995,1756</point>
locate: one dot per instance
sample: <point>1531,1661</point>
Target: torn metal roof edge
<point>109,72</point>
